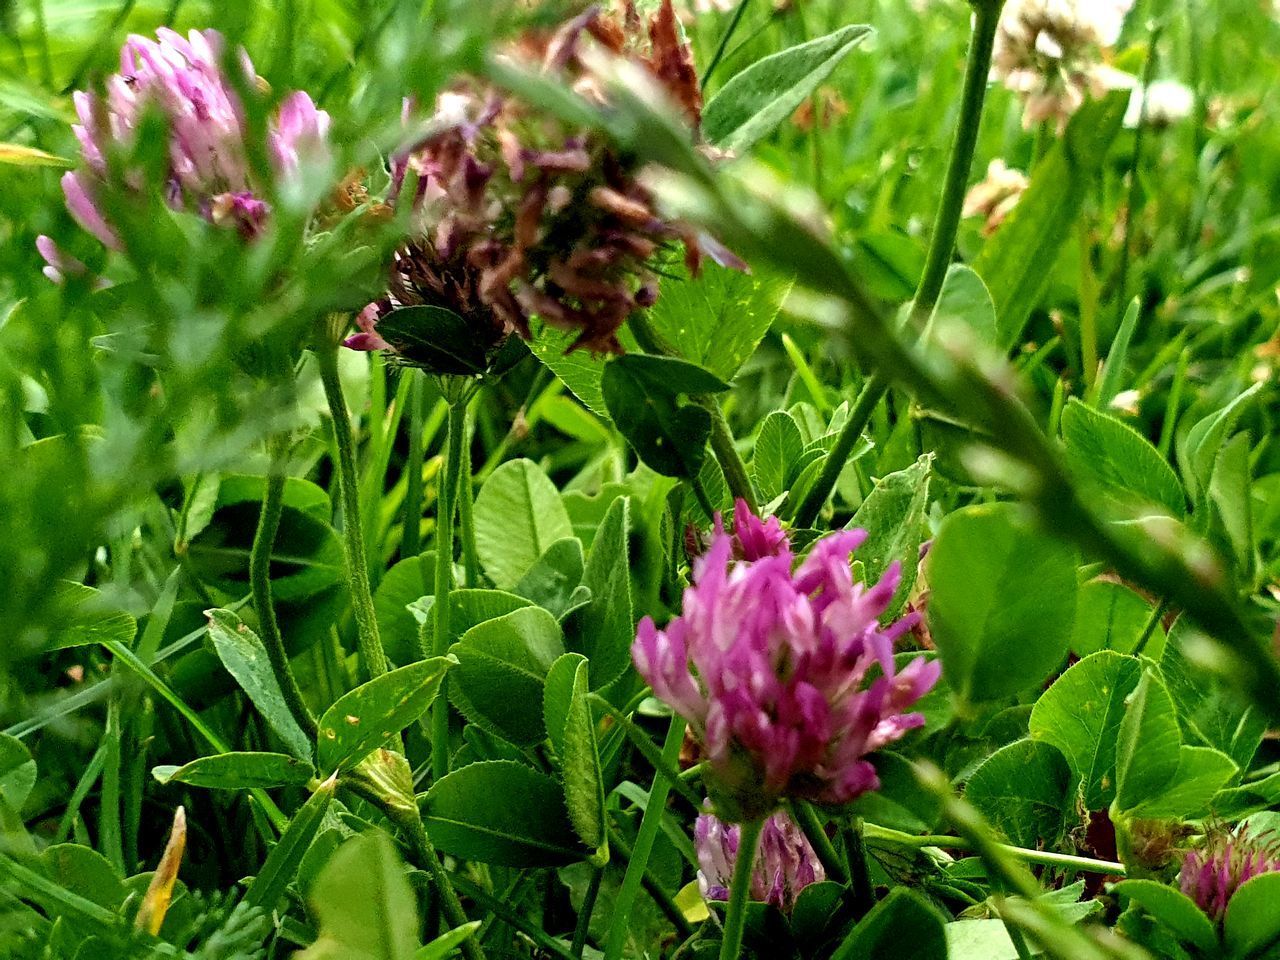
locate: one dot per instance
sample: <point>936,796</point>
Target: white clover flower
<point>1168,102</point>
<point>1051,53</point>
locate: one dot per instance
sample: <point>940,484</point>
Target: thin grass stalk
<point>941,248</point>
<point>650,824</point>
<point>411,539</point>
<point>445,506</point>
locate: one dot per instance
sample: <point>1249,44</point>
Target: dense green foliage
<point>1070,448</point>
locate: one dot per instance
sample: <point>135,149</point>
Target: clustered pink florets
<point>786,676</point>
<point>208,171</point>
<point>1212,874</point>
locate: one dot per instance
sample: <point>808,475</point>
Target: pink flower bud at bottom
<point>785,862</point>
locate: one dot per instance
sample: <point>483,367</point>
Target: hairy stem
<point>869,397</point>
<point>367,638</point>
<point>513,918</point>
<point>947,222</point>
<point>1088,312</point>
<point>941,247</point>
<point>1017,939</point>
<point>444,580</point>
<point>642,742</point>
<point>864,894</point>
<point>1149,628</point>
<point>700,492</point>
<point>735,915</point>
<point>264,539</point>
<point>450,905</point>
<point>726,452</point>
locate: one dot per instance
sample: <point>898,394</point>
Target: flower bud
<point>785,862</point>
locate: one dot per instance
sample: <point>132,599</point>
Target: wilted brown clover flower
<point>519,215</point>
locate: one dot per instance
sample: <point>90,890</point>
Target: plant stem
<point>448,897</point>
<point>1149,627</point>
<point>109,837</point>
<point>274,814</point>
<point>723,45</point>
<point>1088,312</point>
<point>1016,938</point>
<point>864,894</point>
<point>1040,146</point>
<point>514,893</point>
<point>444,579</point>
<point>739,891</point>
<point>817,393</point>
<point>1135,189</point>
<point>466,518</point>
<point>808,820</point>
<point>896,838</point>
<point>872,392</point>
<point>947,222</point>
<point>642,742</point>
<point>513,918</point>
<point>726,452</point>
<point>652,886</point>
<point>1174,406</point>
<point>941,248</point>
<point>650,824</point>
<point>264,539</point>
<point>367,638</point>
<point>704,501</point>
<point>584,914</point>
<point>411,541</point>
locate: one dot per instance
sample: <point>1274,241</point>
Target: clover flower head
<point>786,676</point>
<point>1051,52</point>
<point>1212,873</point>
<point>785,862</point>
<point>520,215</point>
<point>995,197</point>
<point>183,78</point>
